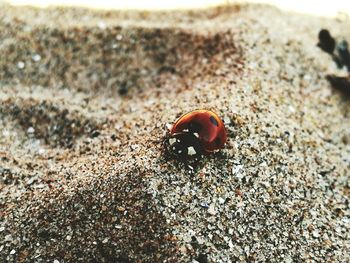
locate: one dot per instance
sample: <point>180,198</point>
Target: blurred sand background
<point>319,8</point>
<point>85,96</point>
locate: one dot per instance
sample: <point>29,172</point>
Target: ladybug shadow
<point>219,158</point>
<point>191,167</point>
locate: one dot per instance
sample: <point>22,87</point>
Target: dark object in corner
<point>339,52</point>
<point>343,54</point>
<point>326,41</point>
<point>341,84</point>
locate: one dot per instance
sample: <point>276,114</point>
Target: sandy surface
<point>84,100</point>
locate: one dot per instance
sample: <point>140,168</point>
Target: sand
<point>85,98</point>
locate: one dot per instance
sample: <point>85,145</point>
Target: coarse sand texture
<point>85,98</point>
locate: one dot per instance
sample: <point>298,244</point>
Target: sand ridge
<point>84,104</point>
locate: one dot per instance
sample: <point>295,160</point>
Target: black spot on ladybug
<point>217,141</point>
<point>213,120</point>
<point>344,55</point>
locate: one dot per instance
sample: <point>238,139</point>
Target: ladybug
<point>196,133</point>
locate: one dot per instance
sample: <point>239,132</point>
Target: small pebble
<point>211,209</point>
<point>204,204</point>
<point>30,130</point>
<point>36,57</point>
<point>221,200</point>
<point>236,169</point>
<point>20,65</point>
<point>5,133</point>
<point>315,234</point>
<point>102,25</point>
<point>227,120</point>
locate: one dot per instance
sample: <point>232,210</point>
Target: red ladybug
<point>195,133</point>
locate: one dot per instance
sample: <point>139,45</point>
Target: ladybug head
<point>184,146</point>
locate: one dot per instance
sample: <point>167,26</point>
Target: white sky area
<point>329,8</point>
